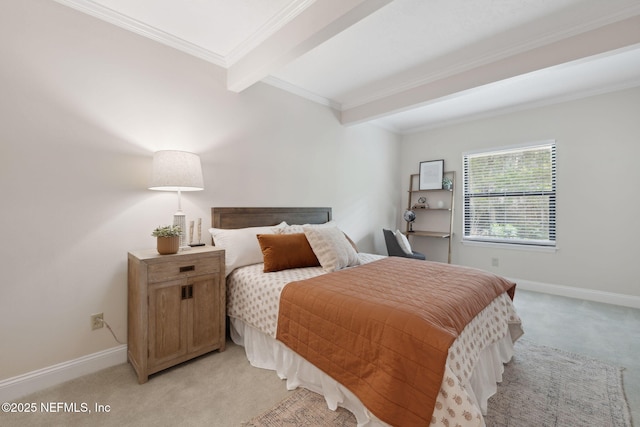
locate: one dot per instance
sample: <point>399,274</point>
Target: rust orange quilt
<point>383,329</point>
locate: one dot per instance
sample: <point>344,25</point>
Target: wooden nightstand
<point>176,307</point>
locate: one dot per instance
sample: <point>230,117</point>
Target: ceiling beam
<point>319,22</point>
<point>610,37</point>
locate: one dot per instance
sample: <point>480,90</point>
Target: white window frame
<point>550,243</point>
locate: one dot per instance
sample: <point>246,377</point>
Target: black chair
<point>394,249</point>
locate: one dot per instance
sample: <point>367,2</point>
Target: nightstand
<point>176,307</point>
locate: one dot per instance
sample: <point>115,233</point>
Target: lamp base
<point>179,220</point>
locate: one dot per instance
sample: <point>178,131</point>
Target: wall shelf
<point>435,218</point>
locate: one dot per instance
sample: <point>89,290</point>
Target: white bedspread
<point>474,365</point>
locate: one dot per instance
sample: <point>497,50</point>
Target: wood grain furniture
<point>176,307</point>
<point>435,216</point>
<point>256,217</point>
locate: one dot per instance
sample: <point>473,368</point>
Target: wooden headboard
<point>256,217</point>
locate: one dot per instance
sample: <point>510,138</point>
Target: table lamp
<point>177,171</point>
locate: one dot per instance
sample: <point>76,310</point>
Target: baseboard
<point>579,293</point>
<point>22,385</point>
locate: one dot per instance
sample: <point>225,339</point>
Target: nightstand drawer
<point>182,268</point>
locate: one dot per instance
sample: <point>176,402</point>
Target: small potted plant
<point>447,183</point>
<point>168,239</point>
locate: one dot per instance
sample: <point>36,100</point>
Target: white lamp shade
<point>176,171</point>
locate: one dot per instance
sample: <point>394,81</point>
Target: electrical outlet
<point>495,262</point>
<point>97,321</point>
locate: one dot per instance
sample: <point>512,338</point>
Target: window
<point>510,195</point>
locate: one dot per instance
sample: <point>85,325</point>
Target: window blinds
<point>510,195</point>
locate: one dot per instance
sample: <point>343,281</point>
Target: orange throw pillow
<point>285,251</point>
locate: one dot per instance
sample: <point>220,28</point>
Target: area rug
<point>303,408</point>
<point>544,386</point>
<point>541,386</point>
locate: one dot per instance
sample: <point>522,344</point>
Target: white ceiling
<point>406,65</point>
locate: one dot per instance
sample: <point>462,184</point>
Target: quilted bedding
<point>387,341</point>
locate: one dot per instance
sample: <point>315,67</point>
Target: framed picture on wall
<point>431,173</point>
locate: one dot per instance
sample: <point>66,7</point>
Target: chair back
<point>393,247</point>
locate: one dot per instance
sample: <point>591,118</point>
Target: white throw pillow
<point>299,228</point>
<point>331,247</point>
<point>403,242</point>
<point>241,245</point>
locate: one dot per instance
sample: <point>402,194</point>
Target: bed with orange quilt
<point>394,340</point>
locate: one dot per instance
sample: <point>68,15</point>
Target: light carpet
<point>541,386</point>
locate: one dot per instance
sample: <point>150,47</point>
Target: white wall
<point>83,106</point>
<point>597,159</point>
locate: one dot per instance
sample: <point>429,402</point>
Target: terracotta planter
<point>168,245</point>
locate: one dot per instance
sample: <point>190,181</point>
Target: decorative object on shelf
<point>168,239</point>
<point>177,171</point>
<point>422,204</point>
<point>431,173</point>
<point>447,183</point>
<point>409,216</point>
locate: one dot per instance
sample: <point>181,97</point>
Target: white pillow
<point>403,242</point>
<point>290,229</point>
<point>331,247</point>
<point>241,245</point>
<point>299,228</point>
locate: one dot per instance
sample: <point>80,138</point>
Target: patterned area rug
<point>303,408</point>
<point>541,386</point>
<point>544,386</point>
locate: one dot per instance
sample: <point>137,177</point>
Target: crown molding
<point>269,28</point>
<point>517,108</point>
<point>296,90</point>
<point>111,16</point>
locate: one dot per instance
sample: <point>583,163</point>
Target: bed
<point>364,342</point>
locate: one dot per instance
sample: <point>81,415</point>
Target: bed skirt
<point>266,352</point>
